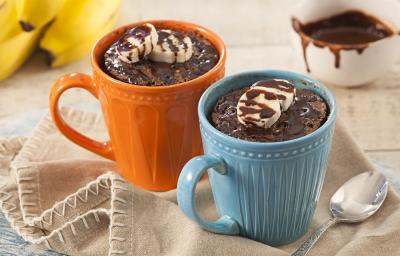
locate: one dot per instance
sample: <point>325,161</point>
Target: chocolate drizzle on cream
<point>258,107</point>
<point>283,89</point>
<point>262,109</point>
<point>139,33</point>
<point>138,42</point>
<point>135,39</point>
<point>280,84</point>
<point>163,45</point>
<point>172,47</point>
<point>165,35</point>
<point>264,102</point>
<point>351,30</point>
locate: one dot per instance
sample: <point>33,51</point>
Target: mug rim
<point>101,45</point>
<point>329,99</point>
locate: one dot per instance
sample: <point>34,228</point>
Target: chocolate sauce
<point>351,30</point>
<point>277,84</point>
<point>264,110</point>
<point>164,36</point>
<point>307,113</point>
<point>139,33</point>
<point>254,93</point>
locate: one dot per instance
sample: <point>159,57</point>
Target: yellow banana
<point>7,18</point>
<point>77,27</point>
<point>14,50</point>
<point>34,14</point>
<point>15,45</point>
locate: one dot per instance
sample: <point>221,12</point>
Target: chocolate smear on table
<point>350,30</point>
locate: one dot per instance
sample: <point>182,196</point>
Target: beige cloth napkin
<point>60,196</point>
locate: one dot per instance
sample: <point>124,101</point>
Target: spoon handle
<point>309,243</point>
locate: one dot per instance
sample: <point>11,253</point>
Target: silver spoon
<point>356,200</point>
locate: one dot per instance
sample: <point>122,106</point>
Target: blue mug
<point>264,191</point>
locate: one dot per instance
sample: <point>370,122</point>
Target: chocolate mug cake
<point>269,111</point>
<point>150,56</point>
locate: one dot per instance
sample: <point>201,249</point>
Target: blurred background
<point>257,35</point>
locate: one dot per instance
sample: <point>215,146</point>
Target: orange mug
<point>153,130</point>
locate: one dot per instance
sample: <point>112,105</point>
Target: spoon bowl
<point>359,197</point>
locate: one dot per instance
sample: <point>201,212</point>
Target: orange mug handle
<point>77,80</point>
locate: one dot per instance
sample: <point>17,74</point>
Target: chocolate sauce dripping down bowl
<point>349,62</point>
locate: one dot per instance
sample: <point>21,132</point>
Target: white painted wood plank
<point>239,22</point>
<point>388,158</point>
<point>241,59</point>
<point>373,112</point>
<point>29,88</point>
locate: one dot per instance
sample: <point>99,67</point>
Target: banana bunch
<point>64,29</point>
<point>15,44</point>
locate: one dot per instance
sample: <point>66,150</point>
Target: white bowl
<point>355,69</point>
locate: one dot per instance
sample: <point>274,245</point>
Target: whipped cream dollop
<point>263,103</point>
<point>145,41</point>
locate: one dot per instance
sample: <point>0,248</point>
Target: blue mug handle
<point>188,179</point>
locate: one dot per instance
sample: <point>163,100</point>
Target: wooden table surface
<point>256,33</point>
